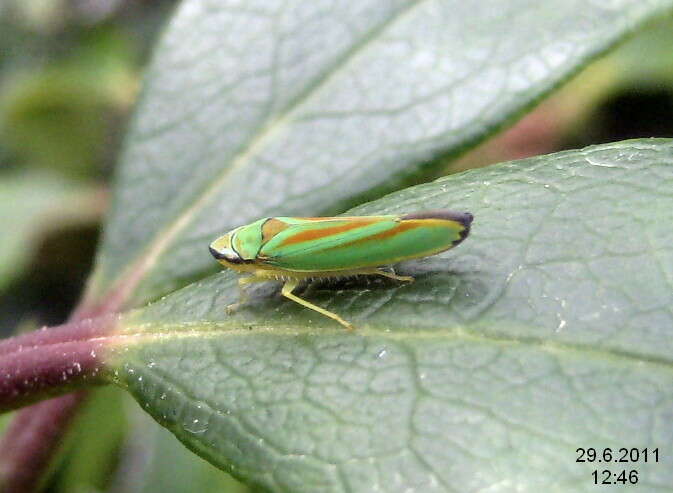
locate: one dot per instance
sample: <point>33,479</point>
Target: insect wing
<point>357,242</point>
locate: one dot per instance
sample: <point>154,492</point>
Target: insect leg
<point>391,275</point>
<point>291,284</point>
<point>242,293</point>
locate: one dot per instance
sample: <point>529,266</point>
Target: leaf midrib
<point>217,329</point>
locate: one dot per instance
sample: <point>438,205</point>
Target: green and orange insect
<point>293,249</point>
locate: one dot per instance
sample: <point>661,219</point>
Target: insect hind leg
<point>390,275</point>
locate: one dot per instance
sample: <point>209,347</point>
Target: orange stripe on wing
<point>343,218</point>
<point>272,227</point>
<point>318,234</point>
<point>400,228</point>
<point>403,226</point>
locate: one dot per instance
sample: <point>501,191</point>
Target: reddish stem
<point>77,330</point>
<point>28,374</point>
<point>31,440</point>
<point>44,361</point>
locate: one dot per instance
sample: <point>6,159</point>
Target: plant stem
<point>45,361</point>
<point>31,440</point>
<point>28,374</point>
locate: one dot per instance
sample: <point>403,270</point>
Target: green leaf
<point>59,116</point>
<point>547,330</point>
<point>171,468</point>
<point>114,446</point>
<point>32,204</point>
<point>300,109</point>
<point>92,448</point>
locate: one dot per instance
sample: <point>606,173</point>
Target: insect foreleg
<point>242,293</point>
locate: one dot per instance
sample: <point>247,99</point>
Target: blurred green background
<point>70,72</point>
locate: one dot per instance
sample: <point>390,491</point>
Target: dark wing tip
<point>464,218</point>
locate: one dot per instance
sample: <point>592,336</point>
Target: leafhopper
<point>292,249</point>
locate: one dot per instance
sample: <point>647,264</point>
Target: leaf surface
<point>547,330</point>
